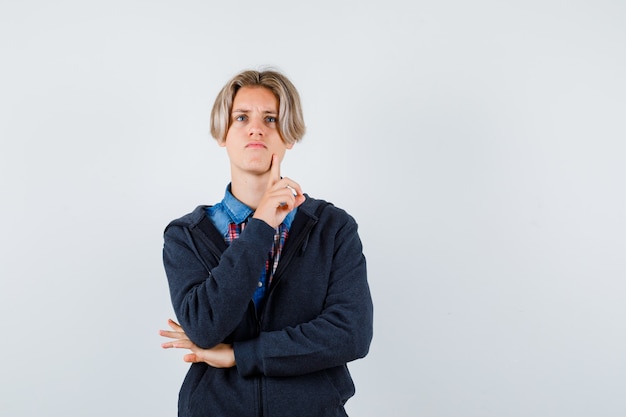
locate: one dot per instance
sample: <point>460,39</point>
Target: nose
<point>255,128</point>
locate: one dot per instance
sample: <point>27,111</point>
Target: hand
<point>281,197</point>
<point>219,356</point>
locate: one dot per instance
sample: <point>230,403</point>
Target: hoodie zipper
<point>282,264</point>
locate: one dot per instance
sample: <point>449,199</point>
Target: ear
<point>222,142</point>
<point>289,145</point>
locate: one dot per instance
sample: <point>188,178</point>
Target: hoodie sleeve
<point>342,331</point>
<point>210,302</point>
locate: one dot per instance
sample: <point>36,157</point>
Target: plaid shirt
<point>230,217</point>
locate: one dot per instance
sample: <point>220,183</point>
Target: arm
<point>342,332</point>
<point>210,303</point>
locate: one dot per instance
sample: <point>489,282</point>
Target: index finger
<point>274,170</point>
<point>174,325</point>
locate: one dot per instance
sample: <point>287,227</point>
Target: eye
<point>241,118</point>
<point>271,119</point>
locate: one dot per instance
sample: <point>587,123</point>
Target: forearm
<point>309,347</point>
<point>342,332</point>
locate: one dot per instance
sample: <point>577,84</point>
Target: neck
<point>249,189</point>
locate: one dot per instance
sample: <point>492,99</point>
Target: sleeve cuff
<point>248,357</point>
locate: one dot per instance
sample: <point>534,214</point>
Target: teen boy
<point>269,285</point>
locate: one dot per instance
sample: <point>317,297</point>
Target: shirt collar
<point>237,211</point>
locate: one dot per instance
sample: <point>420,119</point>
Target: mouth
<point>256,145</point>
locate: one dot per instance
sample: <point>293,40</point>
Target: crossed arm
<point>339,333</point>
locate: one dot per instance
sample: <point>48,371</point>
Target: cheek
<point>281,153</point>
<point>232,137</point>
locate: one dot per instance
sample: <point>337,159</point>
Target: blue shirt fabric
<point>232,211</point>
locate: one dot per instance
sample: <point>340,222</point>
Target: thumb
<point>190,358</point>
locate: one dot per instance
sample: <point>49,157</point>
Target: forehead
<point>255,97</point>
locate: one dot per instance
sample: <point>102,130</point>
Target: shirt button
<point>260,284</point>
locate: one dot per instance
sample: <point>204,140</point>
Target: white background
<point>480,146</point>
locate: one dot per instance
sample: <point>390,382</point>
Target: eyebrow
<point>247,111</point>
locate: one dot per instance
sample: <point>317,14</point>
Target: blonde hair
<point>290,120</point>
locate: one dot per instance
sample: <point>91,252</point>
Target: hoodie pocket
<point>221,392</point>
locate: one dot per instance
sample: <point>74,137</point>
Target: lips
<point>256,145</point>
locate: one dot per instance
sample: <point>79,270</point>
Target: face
<point>253,135</point>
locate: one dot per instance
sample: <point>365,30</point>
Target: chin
<point>257,167</point>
